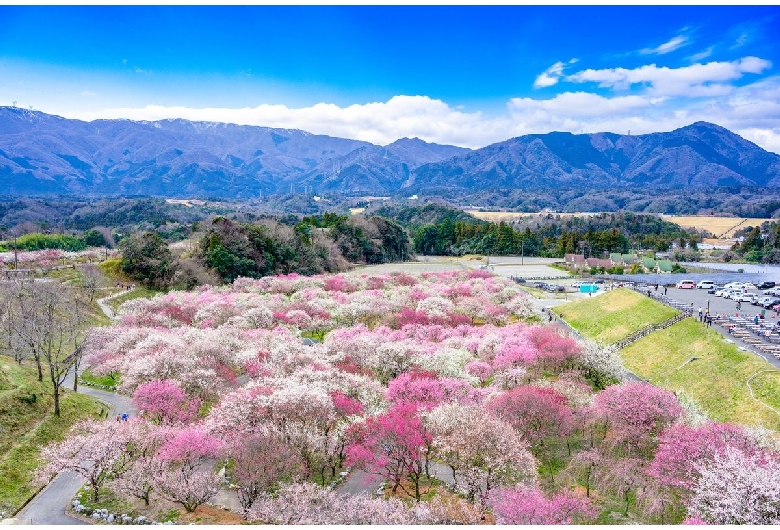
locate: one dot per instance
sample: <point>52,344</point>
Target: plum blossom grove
<point>411,374</point>
<point>47,259</point>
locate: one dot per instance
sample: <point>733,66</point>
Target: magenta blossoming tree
<point>164,402</point>
<point>537,413</point>
<point>391,445</point>
<point>682,450</point>
<point>519,505</point>
<point>262,461</point>
<point>634,412</point>
<point>184,476</point>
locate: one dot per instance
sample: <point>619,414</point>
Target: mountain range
<point>45,154</point>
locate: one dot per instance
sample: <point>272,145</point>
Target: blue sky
<point>462,75</point>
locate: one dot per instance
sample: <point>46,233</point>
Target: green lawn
<point>614,315</point>
<point>716,380</point>
<point>26,425</point>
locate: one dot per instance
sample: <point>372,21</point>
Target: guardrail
<point>650,328</point>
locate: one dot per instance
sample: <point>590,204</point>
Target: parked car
<point>763,300</point>
<point>721,292</point>
<point>686,284</point>
<point>766,285</point>
<point>732,294</point>
<point>713,290</point>
<point>736,285</point>
<point>771,303</point>
<point>705,284</point>
<point>746,297</point>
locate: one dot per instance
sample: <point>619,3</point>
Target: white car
<point>743,297</point>
<point>736,285</point>
<point>705,284</point>
<point>732,294</point>
<point>722,292</point>
<point>763,300</point>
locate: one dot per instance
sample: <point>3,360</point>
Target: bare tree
<point>93,280</point>
<point>20,323</point>
<point>48,321</point>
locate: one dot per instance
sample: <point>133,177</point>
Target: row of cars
<point>738,291</point>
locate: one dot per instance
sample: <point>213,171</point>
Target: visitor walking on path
<point>701,319</point>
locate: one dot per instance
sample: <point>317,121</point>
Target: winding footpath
<point>48,507</point>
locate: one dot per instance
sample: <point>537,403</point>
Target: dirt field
<point>497,217</point>
<point>721,227</point>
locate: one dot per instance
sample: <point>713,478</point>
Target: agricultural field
<point>497,217</point>
<point>614,315</point>
<point>720,227</point>
<point>445,372</point>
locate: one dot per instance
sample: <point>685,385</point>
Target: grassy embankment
<point>614,315</point>
<point>716,380</point>
<point>27,424</point>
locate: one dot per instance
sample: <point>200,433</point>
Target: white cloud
<point>675,43</point>
<point>696,57</point>
<point>752,111</point>
<point>88,94</point>
<point>694,80</point>
<point>552,75</point>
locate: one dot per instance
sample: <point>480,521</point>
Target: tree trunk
<point>56,399</point>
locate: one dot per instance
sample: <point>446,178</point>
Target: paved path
<point>48,507</point>
<point>103,302</point>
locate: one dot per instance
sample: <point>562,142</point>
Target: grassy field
<point>716,380</point>
<point>614,315</point>
<point>27,424</point>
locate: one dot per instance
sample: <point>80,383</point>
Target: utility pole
<point>522,251</point>
<point>16,255</point>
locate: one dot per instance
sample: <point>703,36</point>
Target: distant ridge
<point>46,154</point>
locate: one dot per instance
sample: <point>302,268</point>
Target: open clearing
<point>614,315</point>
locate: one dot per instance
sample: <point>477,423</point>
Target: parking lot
<point>700,298</point>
